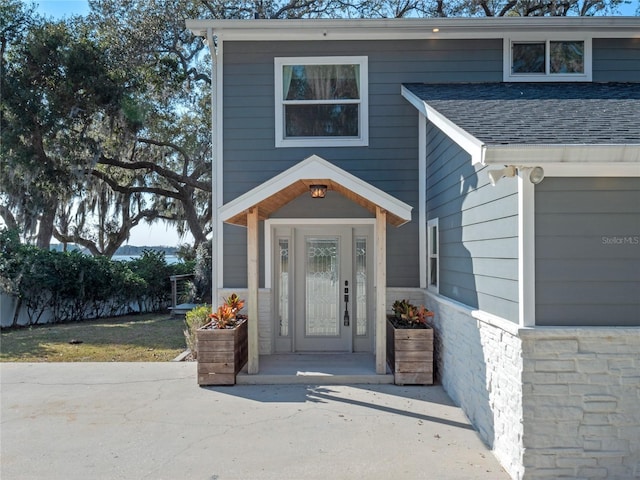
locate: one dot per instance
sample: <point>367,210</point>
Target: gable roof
<point>273,194</point>
<point>553,119</point>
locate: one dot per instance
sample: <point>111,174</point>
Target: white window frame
<point>586,76</point>
<point>363,122</point>
<point>431,238</point>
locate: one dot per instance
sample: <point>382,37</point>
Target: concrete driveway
<point>152,421</point>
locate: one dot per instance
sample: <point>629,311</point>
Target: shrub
<point>70,286</point>
<point>194,319</point>
<point>152,267</point>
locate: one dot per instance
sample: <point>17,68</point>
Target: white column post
<point>526,250</point>
<point>422,198</point>
<point>381,290</point>
<point>252,285</point>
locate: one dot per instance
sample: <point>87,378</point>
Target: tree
<point>54,87</point>
<point>106,120</point>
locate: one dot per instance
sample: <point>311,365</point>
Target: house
<point>488,168</point>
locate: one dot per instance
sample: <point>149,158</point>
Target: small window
<point>433,249</point>
<point>321,101</point>
<point>547,60</point>
<point>282,286</point>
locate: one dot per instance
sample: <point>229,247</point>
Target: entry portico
<point>266,199</point>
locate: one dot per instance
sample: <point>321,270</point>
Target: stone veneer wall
<point>581,402</point>
<point>479,364</point>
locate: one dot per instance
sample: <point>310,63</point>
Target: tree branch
<point>164,172</point>
<point>116,187</point>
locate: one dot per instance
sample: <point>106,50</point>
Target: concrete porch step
<point>317,369</point>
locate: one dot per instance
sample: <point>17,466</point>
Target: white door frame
<point>299,224</point>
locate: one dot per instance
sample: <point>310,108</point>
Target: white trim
<point>434,222</point>
<point>480,315</point>
<point>546,38</point>
<point>422,199</point>
<point>380,289</point>
<point>413,28</point>
<point>526,250</point>
<point>271,223</point>
<point>215,159</point>
<point>593,170</point>
<point>217,194</point>
<point>363,111</point>
<point>464,139</point>
<point>310,168</point>
<point>540,155</point>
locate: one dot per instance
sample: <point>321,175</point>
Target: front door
<point>324,294</point>
<point>323,272</point>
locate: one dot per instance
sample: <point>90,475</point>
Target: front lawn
<point>133,338</point>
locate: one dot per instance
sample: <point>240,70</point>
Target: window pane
<point>434,240</point>
<point>528,58</point>
<point>567,57</point>
<point>283,287</point>
<point>321,82</point>
<point>322,287</point>
<point>433,270</point>
<point>361,286</point>
<point>321,120</point>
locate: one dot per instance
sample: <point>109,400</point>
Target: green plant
<point>65,286</point>
<point>228,314</point>
<point>195,319</point>
<point>152,267</point>
<point>408,315</point>
<point>234,302</point>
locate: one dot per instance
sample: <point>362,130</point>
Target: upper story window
<point>547,59</point>
<point>321,101</point>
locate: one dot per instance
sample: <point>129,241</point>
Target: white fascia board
<point>412,28</point>
<point>315,167</point>
<point>541,155</point>
<point>464,139</point>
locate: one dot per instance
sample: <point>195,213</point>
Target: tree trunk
<point>9,219</point>
<point>45,230</point>
<point>191,216</point>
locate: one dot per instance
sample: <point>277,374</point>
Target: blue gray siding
<point>389,162</point>
<point>616,60</point>
<point>478,229</point>
<point>588,251</point>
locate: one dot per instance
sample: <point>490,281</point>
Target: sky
<point>62,8</point>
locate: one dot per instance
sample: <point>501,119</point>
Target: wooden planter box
<point>221,354</point>
<point>410,355</point>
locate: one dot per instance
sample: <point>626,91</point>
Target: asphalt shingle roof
<point>539,113</point>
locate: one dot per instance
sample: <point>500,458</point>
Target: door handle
<point>346,303</point>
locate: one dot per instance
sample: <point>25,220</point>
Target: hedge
<point>73,286</point>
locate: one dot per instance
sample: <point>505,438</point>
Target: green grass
<point>133,338</point>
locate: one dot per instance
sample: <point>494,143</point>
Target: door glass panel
<point>322,287</point>
<point>361,286</point>
<point>283,286</point>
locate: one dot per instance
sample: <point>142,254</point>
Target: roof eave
<point>583,154</point>
<point>315,167</point>
<point>472,145</point>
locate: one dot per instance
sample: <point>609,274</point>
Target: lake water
<point>171,259</point>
